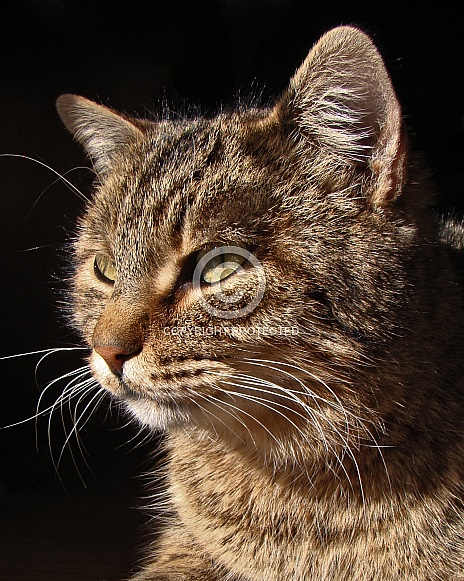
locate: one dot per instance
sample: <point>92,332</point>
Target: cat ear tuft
<point>342,100</point>
<point>101,131</point>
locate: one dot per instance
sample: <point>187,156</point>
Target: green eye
<point>104,268</point>
<point>219,265</point>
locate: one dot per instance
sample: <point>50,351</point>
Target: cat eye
<point>104,268</point>
<point>219,265</point>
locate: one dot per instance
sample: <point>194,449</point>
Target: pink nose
<point>115,357</point>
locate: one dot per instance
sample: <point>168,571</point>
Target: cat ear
<point>342,100</point>
<point>101,131</point>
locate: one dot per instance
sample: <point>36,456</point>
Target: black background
<point>133,56</point>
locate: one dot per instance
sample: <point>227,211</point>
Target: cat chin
<point>154,415</point>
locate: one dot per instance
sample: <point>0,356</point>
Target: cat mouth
<point>168,380</point>
<point>169,397</point>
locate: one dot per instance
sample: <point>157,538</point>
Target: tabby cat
<point>271,288</point>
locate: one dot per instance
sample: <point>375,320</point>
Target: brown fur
<point>332,453</point>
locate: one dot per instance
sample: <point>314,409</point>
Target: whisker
<point>85,391</point>
<point>149,436</point>
<point>243,412</point>
<point>306,372</point>
<point>99,396</point>
<point>60,177</point>
<point>267,403</point>
<point>77,372</point>
<point>46,410</point>
<point>140,432</point>
<point>209,413</point>
<point>249,380</point>
<point>47,351</point>
<point>343,438</point>
<point>32,249</point>
<point>220,405</point>
<point>69,392</point>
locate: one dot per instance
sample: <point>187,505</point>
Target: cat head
<point>235,271</point>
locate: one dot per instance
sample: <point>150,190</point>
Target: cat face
<point>235,272</point>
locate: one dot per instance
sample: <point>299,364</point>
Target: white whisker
<point>70,391</point>
<point>140,432</point>
<point>277,391</point>
<point>47,351</point>
<point>60,177</point>
<point>77,372</point>
<point>311,413</point>
<point>85,389</point>
<point>245,413</point>
<point>210,413</point>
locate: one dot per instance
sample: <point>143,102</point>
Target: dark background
<point>79,524</point>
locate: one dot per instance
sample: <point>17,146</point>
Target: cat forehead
<point>178,164</point>
<point>200,138</point>
<point>173,156</point>
<point>180,179</point>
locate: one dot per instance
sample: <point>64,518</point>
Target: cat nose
<point>115,356</point>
